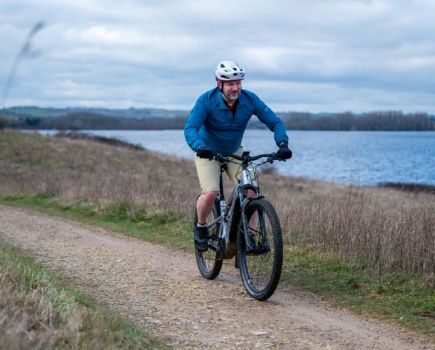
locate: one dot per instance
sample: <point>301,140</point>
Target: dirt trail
<point>160,289</point>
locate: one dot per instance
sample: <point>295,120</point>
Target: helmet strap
<point>221,85</point>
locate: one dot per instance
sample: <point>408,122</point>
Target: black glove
<point>284,152</point>
<point>204,152</point>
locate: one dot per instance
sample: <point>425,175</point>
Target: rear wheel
<point>261,271</point>
<point>210,262</point>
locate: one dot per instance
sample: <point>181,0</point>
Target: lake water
<point>362,158</point>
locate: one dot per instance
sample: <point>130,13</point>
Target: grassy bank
<point>39,311</point>
<point>370,249</point>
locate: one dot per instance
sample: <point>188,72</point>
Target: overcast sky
<point>317,56</point>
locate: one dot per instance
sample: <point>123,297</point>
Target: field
<point>384,229</point>
<point>371,249</point>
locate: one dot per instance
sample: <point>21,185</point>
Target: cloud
<point>324,56</point>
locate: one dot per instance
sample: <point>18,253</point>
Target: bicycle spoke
<point>260,266</point>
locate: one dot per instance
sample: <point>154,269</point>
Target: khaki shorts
<point>209,172</point>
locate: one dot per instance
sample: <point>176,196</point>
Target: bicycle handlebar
<point>245,157</point>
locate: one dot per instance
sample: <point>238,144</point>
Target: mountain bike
<point>247,227</point>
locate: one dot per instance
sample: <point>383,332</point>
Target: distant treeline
<point>87,120</point>
<point>79,120</point>
<point>376,121</point>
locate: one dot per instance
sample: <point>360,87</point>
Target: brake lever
<point>272,158</point>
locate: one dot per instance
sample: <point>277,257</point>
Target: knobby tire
<point>209,265</point>
<point>260,273</point>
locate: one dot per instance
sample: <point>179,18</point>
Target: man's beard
<point>232,97</point>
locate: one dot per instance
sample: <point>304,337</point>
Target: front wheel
<point>210,262</point>
<point>261,271</point>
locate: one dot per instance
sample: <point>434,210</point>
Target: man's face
<point>230,89</point>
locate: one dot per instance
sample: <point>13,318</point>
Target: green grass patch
<point>405,299</point>
<point>55,315</point>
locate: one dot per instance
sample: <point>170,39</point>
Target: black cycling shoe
<point>201,238</point>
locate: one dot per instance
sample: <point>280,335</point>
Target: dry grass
<point>22,327</point>
<point>89,173</point>
<point>380,228</point>
<point>30,320</point>
<point>37,311</point>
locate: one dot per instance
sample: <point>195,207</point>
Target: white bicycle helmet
<point>229,70</point>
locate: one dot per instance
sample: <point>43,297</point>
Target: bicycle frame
<point>225,213</point>
<point>227,226</point>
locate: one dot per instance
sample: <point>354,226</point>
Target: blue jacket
<point>211,123</point>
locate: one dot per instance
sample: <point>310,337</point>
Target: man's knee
<point>208,197</point>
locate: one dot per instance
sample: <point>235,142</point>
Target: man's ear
<point>219,84</point>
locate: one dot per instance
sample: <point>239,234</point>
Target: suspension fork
<point>244,219</point>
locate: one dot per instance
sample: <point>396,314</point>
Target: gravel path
<point>160,289</point>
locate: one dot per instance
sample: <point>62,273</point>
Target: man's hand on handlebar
<point>284,152</point>
<point>204,152</point>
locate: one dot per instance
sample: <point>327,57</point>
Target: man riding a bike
<point>216,125</point>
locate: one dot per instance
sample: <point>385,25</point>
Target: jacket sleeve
<point>193,125</point>
<point>272,121</point>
